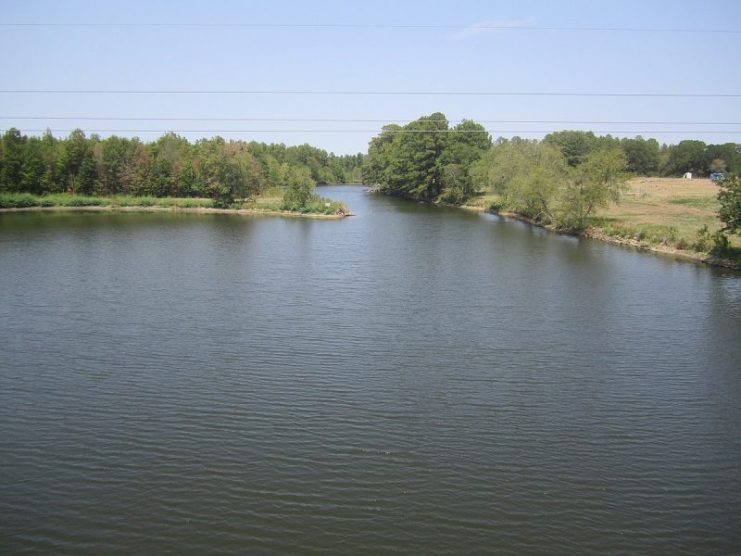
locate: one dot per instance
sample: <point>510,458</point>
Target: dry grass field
<point>684,204</point>
<point>659,214</point>
<point>664,210</point>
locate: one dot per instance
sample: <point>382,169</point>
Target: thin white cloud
<point>491,26</point>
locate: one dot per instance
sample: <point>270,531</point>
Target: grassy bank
<point>272,200</point>
<point>28,200</point>
<point>269,203</point>
<point>668,215</point>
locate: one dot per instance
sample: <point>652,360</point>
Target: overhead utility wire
<point>351,120</point>
<point>397,131</point>
<point>359,93</point>
<point>380,26</point>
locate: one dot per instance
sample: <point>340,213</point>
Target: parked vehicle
<point>717,176</point>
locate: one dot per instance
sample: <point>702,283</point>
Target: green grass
<point>702,241</point>
<point>28,200</point>
<point>658,234</point>
<point>317,205</point>
<point>697,202</point>
<point>164,202</point>
<point>18,200</point>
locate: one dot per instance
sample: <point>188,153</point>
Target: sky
<point>380,46</point>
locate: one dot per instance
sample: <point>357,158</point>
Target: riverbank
<point>197,210</point>
<point>261,206</point>
<point>673,216</point>
<point>669,216</point>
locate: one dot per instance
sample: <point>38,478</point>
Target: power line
<point>371,26</point>
<point>365,93</point>
<point>355,120</point>
<point>399,131</point>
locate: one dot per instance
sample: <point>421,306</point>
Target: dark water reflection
<point>410,380</point>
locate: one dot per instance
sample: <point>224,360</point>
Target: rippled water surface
<point>409,380</point>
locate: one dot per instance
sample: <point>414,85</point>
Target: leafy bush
<point>222,196</point>
<point>192,203</point>
<point>18,200</point>
<point>721,244</point>
<point>299,192</point>
<point>702,243</point>
<point>682,244</point>
<point>658,233</point>
<point>146,201</point>
<point>616,230</point>
<point>729,197</point>
<point>315,205</point>
<point>453,196</point>
<point>82,201</point>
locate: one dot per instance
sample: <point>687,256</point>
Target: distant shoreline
<point>683,254</point>
<point>656,215</point>
<point>638,245</point>
<point>187,210</point>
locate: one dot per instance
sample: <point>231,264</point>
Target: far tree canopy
<point>170,166</point>
<point>426,158</point>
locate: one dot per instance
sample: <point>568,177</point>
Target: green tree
<point>300,189</point>
<point>727,153</point>
<point>537,172</point>
<point>32,172</point>
<point>575,145</point>
<point>466,145</point>
<point>718,165</point>
<point>227,181</point>
<point>112,158</point>
<point>534,180</point>
<point>381,151</point>
<point>12,160</point>
<point>406,161</point>
<point>642,156</point>
<point>78,163</point>
<point>188,180</point>
<point>687,156</point>
<point>168,166</point>
<point>52,153</point>
<point>730,204</point>
<point>277,172</point>
<point>418,173</point>
<point>594,183</point>
<point>161,178</point>
<point>86,176</point>
<point>169,154</point>
<point>136,170</point>
<point>528,175</point>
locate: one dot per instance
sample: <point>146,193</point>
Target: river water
<point>409,380</point>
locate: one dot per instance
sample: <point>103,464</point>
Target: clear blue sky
<point>239,58</point>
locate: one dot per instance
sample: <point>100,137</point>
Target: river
<point>410,380</point>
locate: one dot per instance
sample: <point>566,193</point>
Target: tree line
<point>646,157</point>
<point>170,166</point>
<point>426,159</point>
<point>542,180</point>
<point>560,180</point>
